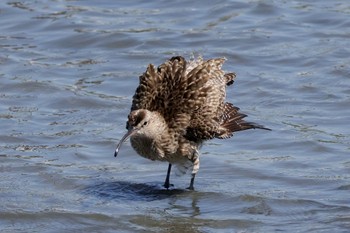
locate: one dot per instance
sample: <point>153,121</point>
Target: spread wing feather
<point>172,93</point>
<point>190,97</point>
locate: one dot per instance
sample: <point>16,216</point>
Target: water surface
<point>68,73</point>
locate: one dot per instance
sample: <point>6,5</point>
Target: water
<point>68,73</point>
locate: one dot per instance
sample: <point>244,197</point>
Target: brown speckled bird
<point>177,107</point>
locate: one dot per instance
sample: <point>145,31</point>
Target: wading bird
<point>179,105</point>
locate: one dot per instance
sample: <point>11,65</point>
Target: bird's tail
<point>230,78</point>
<point>232,121</point>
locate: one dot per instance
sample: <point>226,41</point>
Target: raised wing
<point>173,91</point>
<point>191,98</point>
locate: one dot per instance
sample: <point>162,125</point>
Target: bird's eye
<point>145,123</point>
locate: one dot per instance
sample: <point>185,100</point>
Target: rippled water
<point>68,73</point>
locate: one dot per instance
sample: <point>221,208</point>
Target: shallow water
<point>68,73</point>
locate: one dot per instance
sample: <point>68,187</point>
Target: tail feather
<point>230,78</point>
<point>232,121</point>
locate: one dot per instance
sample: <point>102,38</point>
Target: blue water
<point>69,70</point>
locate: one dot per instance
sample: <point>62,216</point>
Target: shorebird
<point>179,105</point>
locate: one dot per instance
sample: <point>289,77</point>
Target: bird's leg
<point>167,179</point>
<point>193,175</point>
<point>195,160</point>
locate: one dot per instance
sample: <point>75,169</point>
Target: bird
<point>179,105</point>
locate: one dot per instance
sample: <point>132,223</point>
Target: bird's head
<point>140,122</point>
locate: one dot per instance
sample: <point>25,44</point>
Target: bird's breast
<point>146,147</point>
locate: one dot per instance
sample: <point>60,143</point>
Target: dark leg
<point>167,179</point>
<point>192,182</point>
<point>195,161</point>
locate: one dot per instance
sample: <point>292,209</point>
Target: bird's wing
<point>158,86</point>
<point>175,92</point>
<point>206,119</point>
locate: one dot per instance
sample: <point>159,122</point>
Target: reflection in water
<point>174,210</point>
<point>164,219</point>
<point>186,204</point>
<point>123,190</point>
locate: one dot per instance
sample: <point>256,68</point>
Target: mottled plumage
<point>179,105</point>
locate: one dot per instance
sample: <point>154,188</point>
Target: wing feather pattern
<point>191,98</point>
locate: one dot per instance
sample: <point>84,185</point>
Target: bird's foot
<point>192,182</point>
<point>167,185</point>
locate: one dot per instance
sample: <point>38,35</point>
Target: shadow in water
<point>122,190</point>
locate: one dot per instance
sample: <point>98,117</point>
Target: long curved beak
<point>126,136</point>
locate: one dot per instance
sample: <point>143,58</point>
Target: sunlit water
<point>68,73</point>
